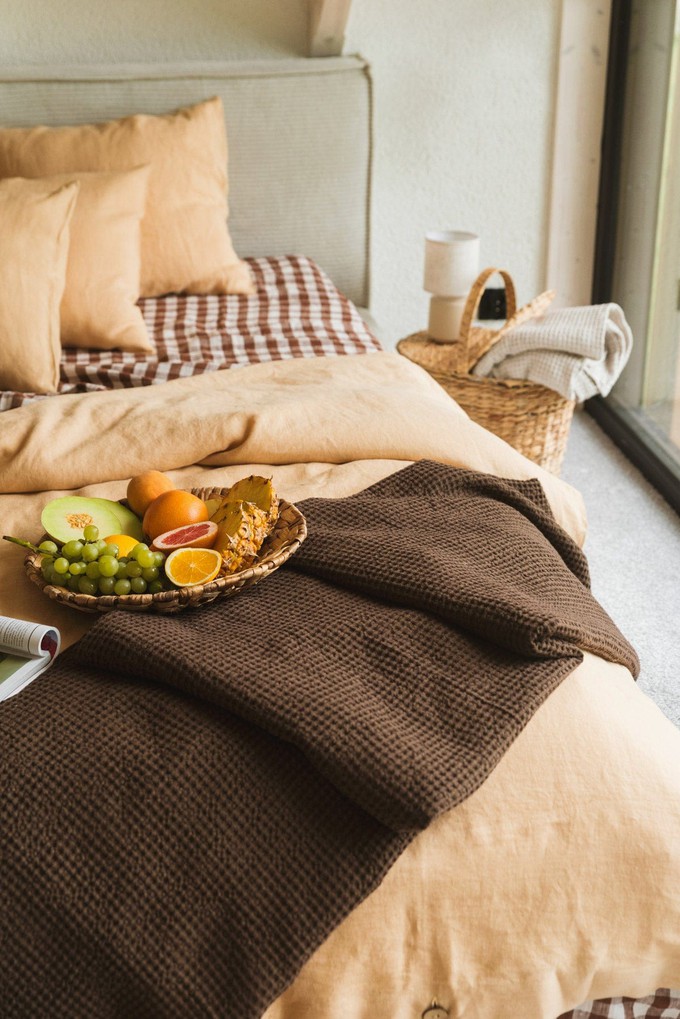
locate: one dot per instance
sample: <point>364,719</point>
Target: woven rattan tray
<point>530,417</point>
<point>289,531</point>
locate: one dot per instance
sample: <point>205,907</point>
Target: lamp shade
<point>451,262</point>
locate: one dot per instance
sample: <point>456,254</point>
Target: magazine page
<point>26,650</point>
<point>21,637</point>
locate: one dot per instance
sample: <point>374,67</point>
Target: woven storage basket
<point>533,419</point>
<point>289,531</point>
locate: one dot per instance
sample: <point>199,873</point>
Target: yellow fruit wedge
<point>212,506</point>
<point>241,530</point>
<point>259,491</point>
<point>124,542</point>
<point>245,516</point>
<point>186,567</point>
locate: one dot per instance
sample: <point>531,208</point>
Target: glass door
<point>644,277</point>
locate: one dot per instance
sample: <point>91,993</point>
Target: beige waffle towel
<point>578,352</point>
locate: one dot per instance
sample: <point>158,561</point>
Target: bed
<point>556,881</point>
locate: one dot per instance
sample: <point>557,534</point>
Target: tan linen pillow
<point>99,307</point>
<point>34,239</point>
<point>185,243</point>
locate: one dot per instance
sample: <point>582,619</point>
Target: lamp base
<point>446,314</point>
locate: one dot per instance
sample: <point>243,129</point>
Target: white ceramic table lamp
<point>451,267</point>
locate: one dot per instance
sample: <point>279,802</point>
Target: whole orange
<point>173,509</point>
<point>144,488</point>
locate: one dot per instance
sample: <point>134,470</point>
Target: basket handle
<point>486,338</point>
<point>475,296</point>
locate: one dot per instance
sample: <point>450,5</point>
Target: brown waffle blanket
<point>192,803</point>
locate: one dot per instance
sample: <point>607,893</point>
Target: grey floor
<point>633,547</point>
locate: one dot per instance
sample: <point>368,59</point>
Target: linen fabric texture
<point>34,240</point>
<point>279,749</point>
<point>99,309</point>
<point>185,243</point>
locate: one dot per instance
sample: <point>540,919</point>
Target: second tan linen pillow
<point>34,241</point>
<point>185,244</point>
<point>99,307</point>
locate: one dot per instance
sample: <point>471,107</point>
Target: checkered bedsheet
<point>296,312</point>
<point>664,1004</point>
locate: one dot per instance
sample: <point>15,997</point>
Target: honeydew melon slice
<point>129,521</point>
<point>65,518</point>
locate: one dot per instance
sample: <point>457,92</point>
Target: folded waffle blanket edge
<point>578,352</point>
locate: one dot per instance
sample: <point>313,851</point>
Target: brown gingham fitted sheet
<point>296,311</point>
<point>664,1004</point>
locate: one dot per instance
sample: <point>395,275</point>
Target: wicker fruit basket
<point>530,417</point>
<point>289,531</point>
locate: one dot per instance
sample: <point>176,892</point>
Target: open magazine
<point>26,650</point>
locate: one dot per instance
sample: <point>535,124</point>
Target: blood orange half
<point>190,536</point>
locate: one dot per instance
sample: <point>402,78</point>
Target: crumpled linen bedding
<point>559,879</point>
<point>281,748</point>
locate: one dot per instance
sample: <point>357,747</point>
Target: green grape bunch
<point>90,565</point>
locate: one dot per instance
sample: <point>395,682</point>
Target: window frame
<point>627,429</point>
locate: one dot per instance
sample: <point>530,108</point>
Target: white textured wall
<point>464,99</point>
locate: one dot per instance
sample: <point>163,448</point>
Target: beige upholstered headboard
<point>299,143</point>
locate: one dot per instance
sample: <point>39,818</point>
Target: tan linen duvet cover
<point>559,879</point>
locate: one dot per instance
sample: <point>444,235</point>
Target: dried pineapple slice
<point>241,529</point>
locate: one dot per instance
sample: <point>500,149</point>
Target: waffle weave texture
<point>192,803</point>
